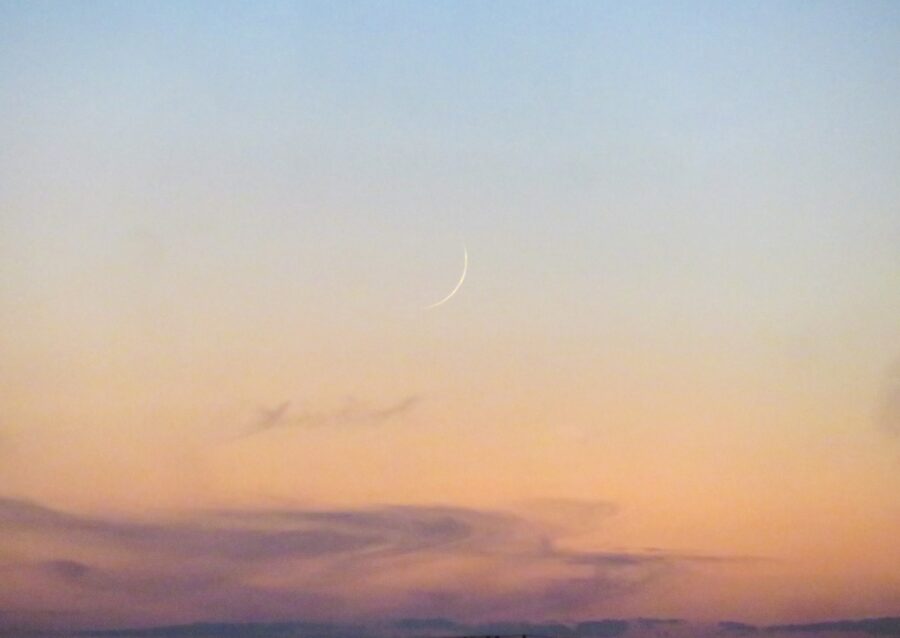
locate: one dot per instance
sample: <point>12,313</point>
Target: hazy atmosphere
<point>413,318</point>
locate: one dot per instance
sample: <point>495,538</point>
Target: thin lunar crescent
<point>459,284</point>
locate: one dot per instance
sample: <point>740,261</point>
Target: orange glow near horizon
<point>667,384</point>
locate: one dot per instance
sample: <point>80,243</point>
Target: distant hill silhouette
<point>887,626</point>
<point>421,627</point>
<point>447,628</point>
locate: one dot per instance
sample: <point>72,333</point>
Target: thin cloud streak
<point>354,413</point>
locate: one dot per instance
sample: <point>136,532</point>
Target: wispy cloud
<point>354,412</point>
<point>269,418</point>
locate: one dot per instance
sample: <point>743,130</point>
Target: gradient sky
<point>670,384</point>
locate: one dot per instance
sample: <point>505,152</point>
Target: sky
<point>668,387</point>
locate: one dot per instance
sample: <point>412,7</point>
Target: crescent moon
<point>459,284</point>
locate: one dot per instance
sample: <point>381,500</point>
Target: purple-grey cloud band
<point>243,564</point>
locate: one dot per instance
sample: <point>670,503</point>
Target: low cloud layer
<point>273,564</point>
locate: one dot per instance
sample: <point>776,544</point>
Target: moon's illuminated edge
<point>459,284</point>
